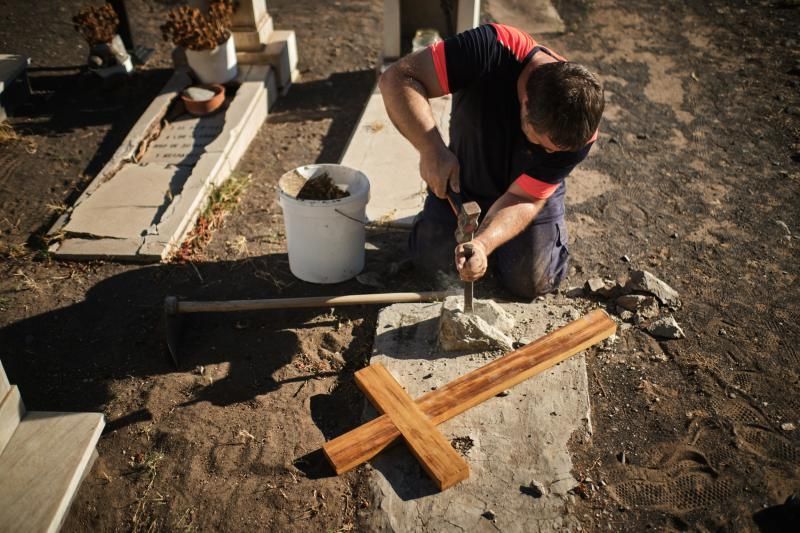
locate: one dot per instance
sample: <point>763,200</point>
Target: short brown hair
<point>565,102</point>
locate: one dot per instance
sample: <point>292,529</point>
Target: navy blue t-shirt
<point>480,67</point>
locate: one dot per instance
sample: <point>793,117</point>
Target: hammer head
<point>172,327</point>
<point>468,217</point>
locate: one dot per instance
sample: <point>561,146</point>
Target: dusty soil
<point>321,187</point>
<point>693,178</point>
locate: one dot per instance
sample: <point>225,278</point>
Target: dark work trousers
<point>531,264</point>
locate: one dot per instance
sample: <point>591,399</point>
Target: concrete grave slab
<point>145,204</point>
<point>390,162</point>
<point>509,442</point>
<point>184,140</point>
<point>109,212</point>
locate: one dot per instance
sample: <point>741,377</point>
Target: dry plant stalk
<point>97,24</point>
<point>190,28</point>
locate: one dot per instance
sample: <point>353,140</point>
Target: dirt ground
<point>695,177</point>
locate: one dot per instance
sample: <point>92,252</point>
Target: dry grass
<point>9,136</point>
<point>220,202</point>
<point>148,464</point>
<point>27,283</point>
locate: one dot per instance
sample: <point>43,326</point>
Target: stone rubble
<point>665,328</point>
<point>639,300</point>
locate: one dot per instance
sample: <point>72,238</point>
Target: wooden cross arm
<point>439,459</point>
<point>366,441</point>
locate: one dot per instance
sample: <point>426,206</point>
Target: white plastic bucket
<point>214,66</point>
<point>326,238</point>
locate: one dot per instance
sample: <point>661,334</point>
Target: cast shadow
<point>340,98</point>
<point>69,359</point>
<point>63,102</point>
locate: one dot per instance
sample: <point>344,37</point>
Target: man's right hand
<point>439,168</point>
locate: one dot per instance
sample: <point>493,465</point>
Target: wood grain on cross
<point>431,409</point>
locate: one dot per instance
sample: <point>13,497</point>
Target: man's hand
<point>474,268</point>
<point>438,168</point>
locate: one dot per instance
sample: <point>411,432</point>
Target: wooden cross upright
<point>416,420</point>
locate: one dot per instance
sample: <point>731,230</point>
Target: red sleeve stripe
<point>519,42</point>
<point>537,189</point>
<point>440,64</point>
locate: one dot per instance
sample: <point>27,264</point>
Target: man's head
<point>562,106</point>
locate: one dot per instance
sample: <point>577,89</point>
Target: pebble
<point>489,515</point>
<point>665,328</point>
<point>504,393</point>
<point>788,426</point>
<point>535,489</point>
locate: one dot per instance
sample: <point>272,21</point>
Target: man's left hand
<point>474,268</point>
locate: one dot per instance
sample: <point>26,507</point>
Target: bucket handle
<point>363,223</point>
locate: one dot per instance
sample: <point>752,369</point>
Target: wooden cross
<point>416,420</point>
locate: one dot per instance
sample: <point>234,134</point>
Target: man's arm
<point>406,87</point>
<point>507,218</point>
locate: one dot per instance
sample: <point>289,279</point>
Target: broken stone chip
<point>665,328</point>
<point>484,329</point>
<point>643,281</point>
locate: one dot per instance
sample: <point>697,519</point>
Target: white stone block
<point>391,29</point>
<point>467,15</point>
<point>249,13</point>
<point>281,52</point>
<point>252,39</point>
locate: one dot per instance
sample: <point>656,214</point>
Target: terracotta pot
<point>204,107</point>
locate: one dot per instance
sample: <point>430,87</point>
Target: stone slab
<point>390,162</point>
<point>536,17</point>
<point>249,13</point>
<point>5,386</point>
<point>143,212</point>
<point>82,249</point>
<point>280,52</point>
<point>516,440</point>
<point>129,203</point>
<point>11,66</point>
<point>252,38</point>
<point>184,140</point>
<point>468,14</point>
<point>391,29</point>
<point>128,149</point>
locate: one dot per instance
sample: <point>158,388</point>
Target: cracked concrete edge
<point>212,168</point>
<point>127,150</point>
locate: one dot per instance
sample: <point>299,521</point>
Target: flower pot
<point>204,107</point>
<point>109,54</point>
<point>214,66</point>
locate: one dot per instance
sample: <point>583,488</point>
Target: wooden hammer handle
<point>179,306</point>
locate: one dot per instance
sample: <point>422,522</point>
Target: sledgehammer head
<point>172,326</point>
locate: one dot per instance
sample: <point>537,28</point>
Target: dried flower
<point>97,24</point>
<point>190,28</point>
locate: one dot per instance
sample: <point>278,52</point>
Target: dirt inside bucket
<point>321,187</point>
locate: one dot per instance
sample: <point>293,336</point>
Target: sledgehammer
<point>174,308</point>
